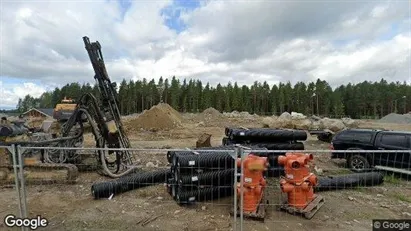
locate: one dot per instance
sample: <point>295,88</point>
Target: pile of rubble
<point>300,121</point>
<point>243,114</point>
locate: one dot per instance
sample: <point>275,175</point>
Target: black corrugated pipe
<point>267,134</point>
<point>189,197</point>
<point>221,147</point>
<point>129,182</point>
<point>171,154</point>
<point>214,178</point>
<point>210,161</point>
<point>349,181</point>
<point>280,146</point>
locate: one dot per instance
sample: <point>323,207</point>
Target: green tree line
<point>362,100</point>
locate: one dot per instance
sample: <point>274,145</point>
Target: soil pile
<point>159,117</point>
<point>396,118</point>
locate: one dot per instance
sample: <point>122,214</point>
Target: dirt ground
<point>71,207</point>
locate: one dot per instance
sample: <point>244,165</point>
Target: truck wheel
<point>358,163</point>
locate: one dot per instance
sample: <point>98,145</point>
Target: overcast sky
<point>215,41</point>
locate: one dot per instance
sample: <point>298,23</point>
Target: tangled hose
<point>349,181</point>
<point>129,182</point>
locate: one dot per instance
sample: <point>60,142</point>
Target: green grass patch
<point>392,179</point>
<point>340,171</point>
<point>402,197</point>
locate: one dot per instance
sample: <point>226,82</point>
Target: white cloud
<point>11,92</point>
<point>225,41</point>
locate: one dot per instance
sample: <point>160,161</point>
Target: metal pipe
<point>13,153</point>
<point>242,189</point>
<point>236,152</point>
<point>22,181</point>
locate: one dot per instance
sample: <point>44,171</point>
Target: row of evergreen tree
<point>362,100</point>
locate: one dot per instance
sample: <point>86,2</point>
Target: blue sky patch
<point>124,6</point>
<point>393,31</point>
<point>173,12</point>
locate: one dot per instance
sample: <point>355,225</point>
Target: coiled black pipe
<point>221,147</point>
<point>281,146</point>
<point>209,161</point>
<point>267,134</point>
<point>12,130</point>
<point>129,182</point>
<point>349,181</point>
<point>171,154</point>
<point>189,197</point>
<point>214,178</point>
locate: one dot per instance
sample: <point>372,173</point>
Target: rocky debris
<point>299,121</point>
<point>305,124</point>
<point>285,116</point>
<point>396,118</point>
<point>159,117</point>
<point>332,124</point>
<point>268,121</point>
<point>350,123</point>
<point>315,118</point>
<point>200,124</point>
<point>243,114</point>
<point>296,115</point>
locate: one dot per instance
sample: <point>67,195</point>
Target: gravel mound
<point>396,118</point>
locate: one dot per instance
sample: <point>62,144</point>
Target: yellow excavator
<point>63,111</point>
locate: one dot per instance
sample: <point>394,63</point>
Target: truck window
<point>360,136</point>
<point>394,140</point>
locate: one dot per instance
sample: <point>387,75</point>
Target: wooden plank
<point>390,169</point>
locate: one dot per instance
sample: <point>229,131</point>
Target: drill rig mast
<point>103,115</point>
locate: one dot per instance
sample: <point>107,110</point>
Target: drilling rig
<point>103,115</point>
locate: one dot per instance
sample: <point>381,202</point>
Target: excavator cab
<point>64,110</point>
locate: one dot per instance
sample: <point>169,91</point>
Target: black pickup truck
<point>369,139</point>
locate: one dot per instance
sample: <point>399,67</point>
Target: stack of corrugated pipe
<point>269,138</point>
<point>205,174</point>
<point>200,175</point>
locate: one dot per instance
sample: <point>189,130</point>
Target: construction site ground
<point>71,207</point>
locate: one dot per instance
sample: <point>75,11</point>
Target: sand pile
<point>396,118</point>
<point>159,117</point>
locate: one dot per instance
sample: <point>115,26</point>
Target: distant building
<point>39,113</point>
